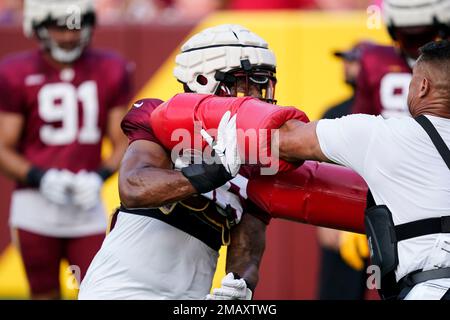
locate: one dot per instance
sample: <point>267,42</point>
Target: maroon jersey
<point>65,111</point>
<point>136,126</point>
<point>383,82</point>
<point>136,123</point>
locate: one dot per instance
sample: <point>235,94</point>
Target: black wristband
<point>206,177</point>
<point>105,173</point>
<point>34,177</point>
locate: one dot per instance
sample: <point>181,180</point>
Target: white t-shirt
<point>145,258</point>
<point>403,170</point>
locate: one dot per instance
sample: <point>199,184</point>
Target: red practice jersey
<point>65,111</point>
<point>383,82</point>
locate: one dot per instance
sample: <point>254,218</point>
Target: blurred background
<point>304,34</point>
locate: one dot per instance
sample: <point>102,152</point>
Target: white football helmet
<point>70,14</point>
<point>227,60</point>
<point>410,13</point>
<point>412,23</point>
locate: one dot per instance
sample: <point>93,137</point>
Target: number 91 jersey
<point>383,83</point>
<point>65,110</point>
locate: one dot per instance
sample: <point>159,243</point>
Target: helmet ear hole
<point>202,80</point>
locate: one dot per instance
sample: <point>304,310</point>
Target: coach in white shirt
<point>403,169</point>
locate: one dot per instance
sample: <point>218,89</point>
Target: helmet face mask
<point>51,21</point>
<point>64,51</point>
<point>258,82</point>
<point>410,39</point>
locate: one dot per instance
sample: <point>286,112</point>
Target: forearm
<point>13,165</point>
<point>246,249</point>
<point>118,140</point>
<point>298,141</point>
<point>153,187</point>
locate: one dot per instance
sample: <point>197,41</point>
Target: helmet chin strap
<point>223,91</point>
<point>63,55</point>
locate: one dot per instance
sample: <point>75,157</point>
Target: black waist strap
<point>186,221</point>
<point>421,276</point>
<point>422,227</point>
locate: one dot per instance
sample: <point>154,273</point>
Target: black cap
<point>353,54</point>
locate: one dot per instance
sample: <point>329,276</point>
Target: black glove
<point>34,177</point>
<point>206,177</point>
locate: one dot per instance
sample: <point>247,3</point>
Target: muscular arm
<point>246,249</point>
<point>298,141</point>
<point>117,138</point>
<point>12,163</point>
<point>146,177</point>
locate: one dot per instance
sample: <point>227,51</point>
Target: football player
<point>175,216</point>
<point>386,70</point>
<point>56,105</point>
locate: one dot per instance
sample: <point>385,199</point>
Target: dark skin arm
<point>12,164</point>
<point>116,137</point>
<point>146,177</point>
<point>244,253</point>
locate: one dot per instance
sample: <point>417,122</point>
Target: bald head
<point>429,91</point>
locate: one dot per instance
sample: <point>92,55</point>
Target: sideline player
<point>56,105</point>
<point>386,71</point>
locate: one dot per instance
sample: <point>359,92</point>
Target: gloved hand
<point>225,146</point>
<point>228,204</point>
<point>206,177</point>
<point>231,289</point>
<point>86,189</point>
<point>354,249</point>
<point>55,185</point>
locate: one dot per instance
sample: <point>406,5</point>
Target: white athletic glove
<point>225,145</point>
<point>55,186</point>
<point>227,202</point>
<point>86,189</point>
<point>231,289</point>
